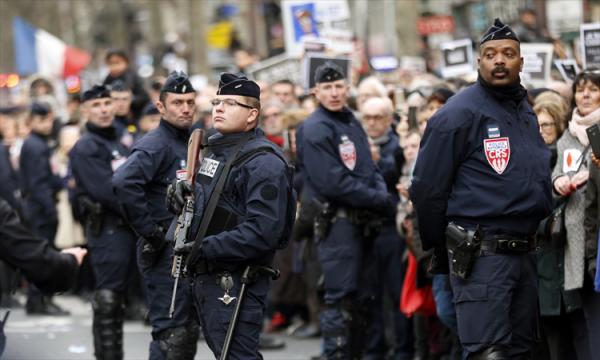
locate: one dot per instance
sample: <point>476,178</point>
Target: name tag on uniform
<point>209,167</point>
<point>493,131</point>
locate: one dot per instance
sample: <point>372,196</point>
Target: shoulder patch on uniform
<point>269,192</point>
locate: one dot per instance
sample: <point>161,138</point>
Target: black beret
<point>178,82</point>
<point>119,85</point>
<point>328,72</point>
<point>150,109</point>
<point>96,92</point>
<point>499,31</point>
<point>231,84</point>
<point>40,108</point>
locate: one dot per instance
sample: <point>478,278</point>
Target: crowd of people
<point>357,270</point>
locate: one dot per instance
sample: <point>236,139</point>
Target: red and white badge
<point>497,152</point>
<point>348,153</point>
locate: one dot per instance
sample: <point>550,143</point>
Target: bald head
<point>377,115</point>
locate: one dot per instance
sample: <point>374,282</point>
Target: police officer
<point>252,218</point>
<point>141,185</point>
<point>9,190</point>
<point>336,166</point>
<point>377,116</point>
<point>484,168</point>
<point>39,188</point>
<point>94,158</point>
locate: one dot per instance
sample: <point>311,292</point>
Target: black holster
<point>463,247</point>
<point>322,221</point>
<point>93,214</point>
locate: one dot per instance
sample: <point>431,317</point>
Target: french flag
<point>39,52</point>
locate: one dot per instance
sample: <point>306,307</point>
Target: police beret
<point>40,108</point>
<point>231,84</point>
<point>96,92</point>
<point>178,82</point>
<point>328,72</point>
<point>150,109</point>
<point>499,31</point>
<point>119,85</point>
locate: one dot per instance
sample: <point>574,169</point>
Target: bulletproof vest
<point>225,220</point>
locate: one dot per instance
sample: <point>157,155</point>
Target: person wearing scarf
<point>570,181</point>
<point>482,176</point>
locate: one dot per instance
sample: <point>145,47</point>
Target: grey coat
<point>574,213</point>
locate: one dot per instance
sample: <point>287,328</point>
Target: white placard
<point>457,58</point>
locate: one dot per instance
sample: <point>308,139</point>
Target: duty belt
<point>504,244</point>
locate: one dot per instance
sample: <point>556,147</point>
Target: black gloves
<point>176,193</point>
<point>153,245</point>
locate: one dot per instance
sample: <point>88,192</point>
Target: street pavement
<point>70,337</point>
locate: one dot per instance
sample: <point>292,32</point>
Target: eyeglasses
<point>229,102</point>
<point>547,125</point>
<point>378,117</point>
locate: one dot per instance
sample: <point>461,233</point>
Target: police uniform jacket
<point>252,217</point>
<point>334,160</point>
<point>94,158</point>
<point>141,183</point>
<point>8,179</point>
<point>39,184</point>
<point>48,269</point>
<point>482,161</point>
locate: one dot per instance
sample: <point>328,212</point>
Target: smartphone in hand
<point>593,133</point>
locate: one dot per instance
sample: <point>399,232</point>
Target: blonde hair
<point>555,110</point>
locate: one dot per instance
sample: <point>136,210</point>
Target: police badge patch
<point>497,153</point>
<point>348,153</point>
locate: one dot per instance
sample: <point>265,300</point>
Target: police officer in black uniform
<point>39,187</point>
<point>335,164</point>
<point>41,264</point>
<point>141,185</point>
<point>482,181</point>
<point>93,159</point>
<point>125,125</point>
<point>252,218</point>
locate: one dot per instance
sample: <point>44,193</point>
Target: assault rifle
<point>184,220</point>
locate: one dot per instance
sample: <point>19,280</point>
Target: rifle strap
<point>214,199</point>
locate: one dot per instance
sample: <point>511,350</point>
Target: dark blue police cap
<point>150,109</point>
<point>499,31</point>
<point>328,72</point>
<point>231,84</point>
<point>40,108</point>
<point>178,82</point>
<point>96,92</point>
<point>119,85</point>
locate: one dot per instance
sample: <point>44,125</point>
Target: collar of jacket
<point>175,131</point>
<point>109,132</point>
<point>514,92</point>
<point>345,114</point>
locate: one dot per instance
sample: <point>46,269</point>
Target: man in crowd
<point>377,116</point>
<point>482,181</point>
<point>337,170</point>
<point>141,186</point>
<point>111,242</point>
<point>284,91</point>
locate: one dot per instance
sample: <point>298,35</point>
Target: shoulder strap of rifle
<point>214,199</point>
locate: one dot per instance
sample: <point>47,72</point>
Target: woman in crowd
<point>569,178</point>
<point>557,338</point>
